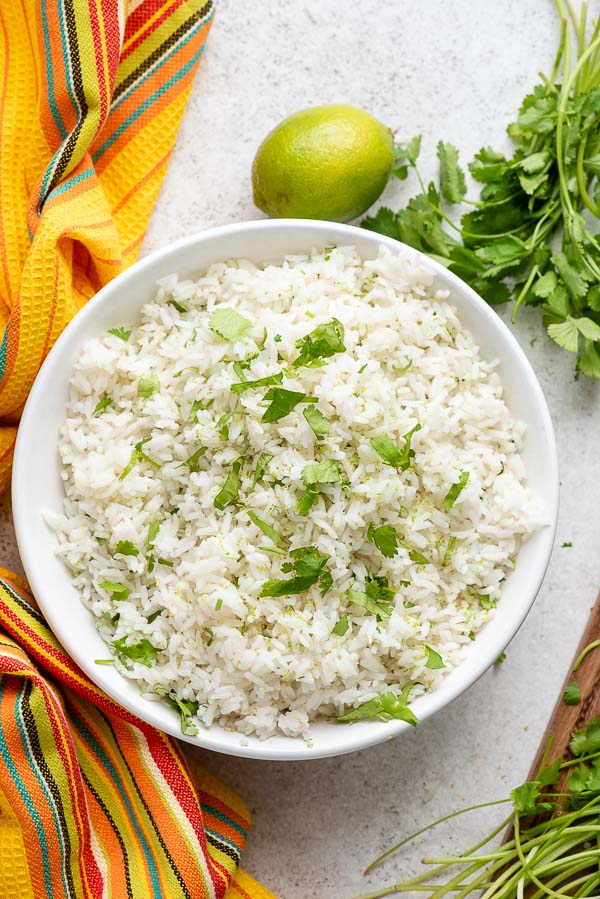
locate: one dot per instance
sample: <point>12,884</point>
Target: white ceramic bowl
<point>37,485</point>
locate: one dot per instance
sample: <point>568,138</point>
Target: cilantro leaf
<point>228,324</point>
<point>266,528</point>
<point>383,222</point>
<point>186,708</point>
<point>526,799</point>
<point>317,422</point>
<point>307,501</point>
<point>341,626</point>
<point>137,455</point>
<point>434,659</point>
<point>261,466</point>
<point>572,694</point>
<point>327,472</point>
<point>385,539</point>
<point>229,493</point>
<point>102,405</point>
<point>323,342</point>
<point>376,598</point>
<point>126,548</point>
<point>586,741</point>
<point>242,386</point>
<point>308,566</point>
<point>282,402</point>
<point>415,556</point>
<point>386,707</point>
<point>148,386</point>
<point>197,406</point>
<point>121,333</point>
<point>153,529</point>
<point>450,550</point>
<point>223,425</point>
<point>455,490</point>
<point>143,651</point>
<point>389,452</point>
<point>452,178</point>
<point>118,592</point>
<point>193,463</point>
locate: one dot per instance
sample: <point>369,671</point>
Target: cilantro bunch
<point>532,237</point>
<point>553,850</point>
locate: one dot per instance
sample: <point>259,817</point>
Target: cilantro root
<point>546,193</point>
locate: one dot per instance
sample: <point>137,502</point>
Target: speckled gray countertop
<point>456,70</point>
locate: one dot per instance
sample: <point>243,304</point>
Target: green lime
<point>326,162</point>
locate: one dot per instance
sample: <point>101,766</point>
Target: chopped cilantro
<point>197,406</point>
<point>137,455</point>
<point>389,452</point>
<point>228,324</point>
<point>121,333</point>
<point>218,605</point>
<point>455,490</point>
<point>282,402</point>
<point>229,493</point>
<point>572,694</point>
<point>179,306</point>
<point>409,605</point>
<point>268,381</point>
<point>153,528</point>
<point>102,405</point>
<point>415,556</point>
<point>148,386</point>
<point>104,661</point>
<point>166,562</point>
<point>193,463</point>
<point>126,548</point>
<point>376,598</point>
<point>450,550</point>
<point>486,602</point>
<point>327,472</point>
<point>118,592</point>
<point>501,658</point>
<point>317,422</point>
<point>308,567</point>
<point>223,425</point>
<point>154,615</point>
<point>323,342</point>
<point>266,528</point>
<point>434,659</point>
<point>143,652</point>
<point>341,626</point>
<point>385,707</point>
<point>385,539</point>
<point>307,501</point>
<point>186,708</point>
<point>261,467</point>
<point>277,338</point>
<point>567,545</point>
<point>362,368</point>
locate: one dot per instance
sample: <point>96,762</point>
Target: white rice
<point>262,665</point>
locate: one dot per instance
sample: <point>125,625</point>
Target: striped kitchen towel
<point>94,804</point>
<point>93,801</point>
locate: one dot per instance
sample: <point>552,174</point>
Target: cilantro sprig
<point>546,192</point>
<point>387,449</point>
<point>308,567</point>
<point>323,342</point>
<point>386,707</point>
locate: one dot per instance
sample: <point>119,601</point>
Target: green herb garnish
<point>154,615</point>
<point>126,548</point>
<point>179,306</point>
<point>121,333</point>
<point>261,466</point>
<point>229,493</point>
<point>267,529</point>
<point>308,567</point>
<point>143,651</point>
<point>455,490</point>
<point>317,422</point>
<point>327,472</point>
<point>389,452</point>
<point>385,539</point>
<point>193,463</point>
<point>218,605</point>
<point>197,406</point>
<point>376,597</point>
<point>223,425</point>
<point>186,708</point>
<point>386,707</point>
<point>268,381</point>
<point>138,455</point>
<point>341,626</point>
<point>323,342</point>
<point>307,501</point>
<point>228,324</point>
<point>282,402</point>
<point>449,551</point>
<point>148,386</point>
<point>102,405</point>
<point>118,592</point>
<point>434,659</point>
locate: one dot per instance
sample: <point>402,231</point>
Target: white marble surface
<point>454,70</point>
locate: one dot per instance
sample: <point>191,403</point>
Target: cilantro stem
<point>591,646</point>
<point>523,292</point>
<point>581,179</point>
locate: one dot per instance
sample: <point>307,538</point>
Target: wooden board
<point>566,718</point>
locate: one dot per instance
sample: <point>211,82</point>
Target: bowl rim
<point>364,734</point>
